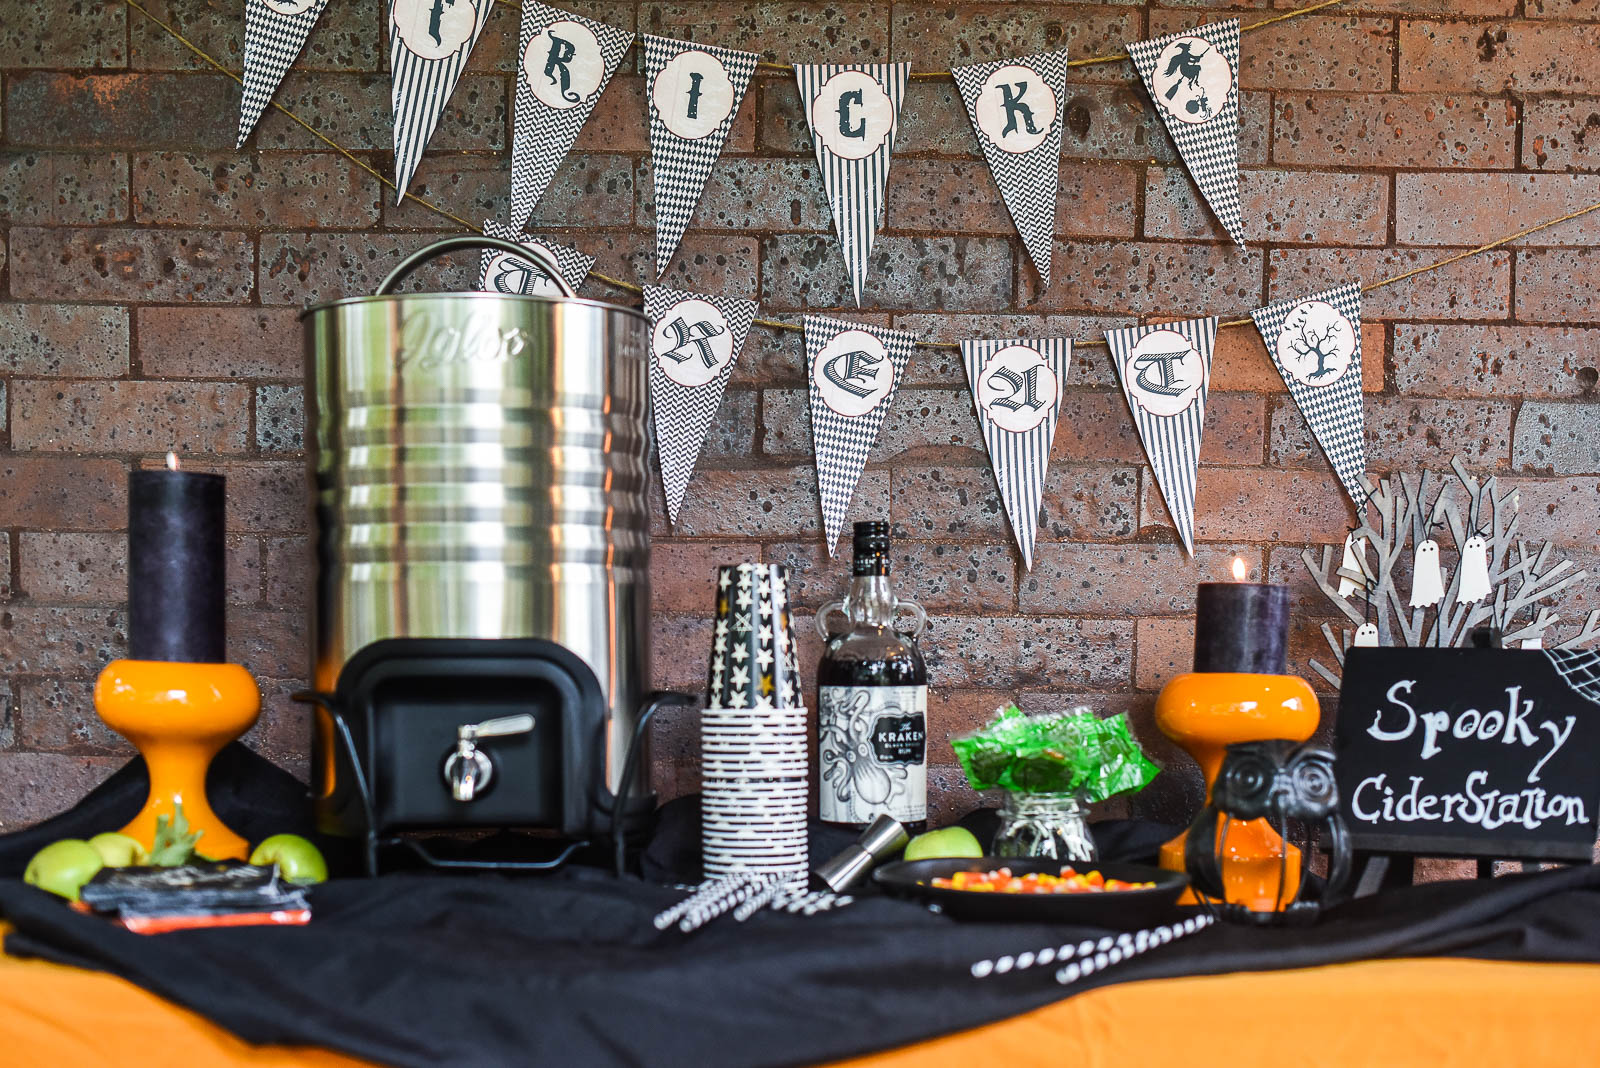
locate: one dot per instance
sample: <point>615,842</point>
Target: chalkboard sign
<point>1470,752</point>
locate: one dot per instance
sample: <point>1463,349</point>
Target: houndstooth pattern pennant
<point>853,110</point>
<point>1316,345</point>
<point>429,41</point>
<point>1016,107</point>
<point>1193,77</point>
<point>501,272</point>
<point>694,341</point>
<point>274,33</point>
<point>693,92</point>
<point>565,63</point>
<point>1016,386</point>
<point>853,371</point>
<point>1165,371</point>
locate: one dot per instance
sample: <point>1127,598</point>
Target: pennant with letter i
<point>853,110</point>
<point>501,272</point>
<point>693,93</point>
<point>1193,77</point>
<point>564,65</point>
<point>1316,345</point>
<point>853,371</point>
<point>274,33</point>
<point>1016,386</point>
<point>1164,371</point>
<point>1016,107</point>
<point>429,41</point>
<point>694,341</point>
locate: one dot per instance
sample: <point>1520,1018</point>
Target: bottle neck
<point>870,601</point>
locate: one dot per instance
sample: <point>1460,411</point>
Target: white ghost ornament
<point>1354,549</point>
<point>1473,581</point>
<point>1367,635</point>
<point>1427,587</point>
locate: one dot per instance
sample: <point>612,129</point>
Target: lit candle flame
<point>1239,569</point>
<point>172,461</point>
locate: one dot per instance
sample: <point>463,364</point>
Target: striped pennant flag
<point>566,61</point>
<point>853,371</point>
<point>853,110</point>
<point>694,342</point>
<point>1016,385</point>
<point>1316,345</point>
<point>429,41</point>
<point>694,92</point>
<point>274,33</point>
<point>501,272</point>
<point>1164,371</point>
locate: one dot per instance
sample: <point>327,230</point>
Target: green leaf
<point>174,845</point>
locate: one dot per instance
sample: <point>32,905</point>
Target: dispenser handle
<point>540,258</point>
<point>496,728</point>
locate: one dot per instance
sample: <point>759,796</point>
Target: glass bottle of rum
<point>872,704</point>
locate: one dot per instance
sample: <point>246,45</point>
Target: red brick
<point>937,36</point>
<point>60,189</point>
<point>1547,287</point>
<point>1561,134</point>
<point>1395,130</point>
<point>36,786</point>
<point>268,497</point>
<point>683,574</point>
<point>1471,209</point>
<point>703,263</point>
<point>63,494</point>
<point>1405,433</point>
<point>1166,650</point>
<point>1279,206</point>
<point>1498,361</point>
<point>201,342</point>
<point>1098,426</point>
<point>1083,503</point>
<point>63,339</point>
<point>288,573</point>
<point>1240,360</point>
<point>815,578</point>
<point>346,37</point>
<point>680,645</point>
<point>1148,277</point>
<point>1560,439</point>
<point>271,190</point>
<point>943,501</point>
<point>733,432</point>
<point>91,34</point>
<point>5,575</point>
<point>942,577</point>
<point>941,366</point>
<point>1094,199</point>
<point>310,268</point>
<point>1474,288</point>
<point>132,265</point>
<point>269,643</point>
<point>56,714</point>
<point>284,729</point>
<point>781,32</point>
<point>753,194</point>
<point>139,111</point>
<point>587,190</point>
<point>38,639</point>
<point>1311,52</point>
<point>192,418</point>
<point>356,111</point>
<point>1530,57</point>
<point>1017,651</point>
<point>1261,505</point>
<point>1561,510</point>
<point>1075,578</point>
<point>770,501</point>
<point>1470,8</point>
<point>960,273</point>
<point>920,418</point>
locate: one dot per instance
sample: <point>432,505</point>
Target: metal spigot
<point>467,769</point>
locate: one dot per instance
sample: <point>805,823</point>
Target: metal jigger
<point>883,838</point>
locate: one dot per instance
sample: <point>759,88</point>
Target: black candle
<point>1242,626</point>
<point>176,566</point>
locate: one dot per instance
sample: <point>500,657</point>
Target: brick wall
<point>150,278</point>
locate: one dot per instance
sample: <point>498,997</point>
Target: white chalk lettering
<point>1374,801</point>
<point>1560,738</point>
<point>1382,735</point>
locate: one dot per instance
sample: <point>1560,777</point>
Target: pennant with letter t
<point>853,110</point>
<point>501,272</point>
<point>1016,107</point>
<point>1016,386</point>
<point>274,33</point>
<point>1193,77</point>
<point>429,41</point>
<point>1164,371</point>
<point>853,371</point>
<point>1316,345</point>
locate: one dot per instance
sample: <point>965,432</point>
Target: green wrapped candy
<point>1070,752</point>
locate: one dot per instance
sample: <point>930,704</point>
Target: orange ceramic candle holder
<point>179,715</point>
<point>1205,712</point>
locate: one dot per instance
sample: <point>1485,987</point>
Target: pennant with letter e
<point>1016,386</point>
<point>694,341</point>
<point>1164,371</point>
<point>501,272</point>
<point>429,41</point>
<point>1193,77</point>
<point>853,110</point>
<point>274,33</point>
<point>853,371</point>
<point>1016,107</point>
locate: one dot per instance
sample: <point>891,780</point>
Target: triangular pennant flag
<point>694,341</point>
<point>853,370</point>
<point>501,272</point>
<point>1016,386</point>
<point>1193,77</point>
<point>853,110</point>
<point>566,61</point>
<point>1016,107</point>
<point>274,33</point>
<point>1316,345</point>
<point>693,93</point>
<point>429,41</point>
<point>1164,371</point>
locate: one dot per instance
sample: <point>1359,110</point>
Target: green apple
<point>298,860</point>
<point>63,867</point>
<point>119,850</point>
<point>945,842</point>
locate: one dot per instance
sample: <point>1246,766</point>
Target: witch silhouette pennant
<point>502,272</point>
<point>1165,371</point>
<point>853,371</point>
<point>429,41</point>
<point>1193,77</point>
<point>274,33</point>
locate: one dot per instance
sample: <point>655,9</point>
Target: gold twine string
<point>774,324</point>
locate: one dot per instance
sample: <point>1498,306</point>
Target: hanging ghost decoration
<point>1366,635</point>
<point>1427,586</point>
<point>1354,549</point>
<point>1473,582</point>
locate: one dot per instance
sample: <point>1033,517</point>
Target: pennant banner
<point>853,109</point>
<point>1016,386</point>
<point>1316,345</point>
<point>694,342</point>
<point>274,33</point>
<point>1164,371</point>
<point>1193,77</point>
<point>693,92</point>
<point>1016,107</point>
<point>501,272</point>
<point>853,371</point>
<point>429,41</point>
<point>566,61</point>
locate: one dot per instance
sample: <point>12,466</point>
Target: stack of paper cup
<point>753,737</point>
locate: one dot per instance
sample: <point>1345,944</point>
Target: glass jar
<point>1044,825</point>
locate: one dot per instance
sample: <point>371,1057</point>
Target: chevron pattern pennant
<point>429,41</point>
<point>274,33</point>
<point>501,272</point>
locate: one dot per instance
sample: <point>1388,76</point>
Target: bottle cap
<point>883,838</point>
<point>871,544</point>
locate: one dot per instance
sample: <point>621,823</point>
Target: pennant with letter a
<point>1016,386</point>
<point>429,41</point>
<point>1016,107</point>
<point>274,33</point>
<point>693,93</point>
<point>1164,371</point>
<point>1193,77</point>
<point>501,272</point>
<point>564,64</point>
<point>853,371</point>
<point>694,341</point>
<point>1316,345</point>
<point>853,110</point>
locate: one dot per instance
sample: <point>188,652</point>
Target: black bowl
<point>1116,909</point>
